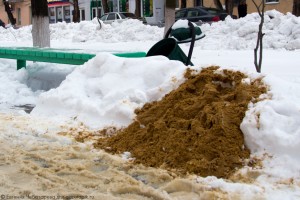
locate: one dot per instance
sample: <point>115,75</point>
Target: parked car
<point>111,17</point>
<point>201,14</point>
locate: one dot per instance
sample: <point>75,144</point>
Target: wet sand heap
<point>193,129</point>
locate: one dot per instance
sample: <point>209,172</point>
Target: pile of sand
<point>194,129</point>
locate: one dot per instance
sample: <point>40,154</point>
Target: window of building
<point>30,16</point>
<point>19,16</point>
<point>52,18</point>
<point>272,1</point>
<point>67,16</point>
<point>198,3</point>
<point>51,12</point>
<point>59,14</point>
<point>82,14</point>
<point>94,14</point>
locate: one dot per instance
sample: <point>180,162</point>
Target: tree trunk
<point>40,23</point>
<point>259,42</point>
<point>105,6</point>
<point>138,8</point>
<point>169,14</point>
<point>229,6</point>
<point>76,15</point>
<point>218,4</point>
<point>296,8</point>
<point>9,14</point>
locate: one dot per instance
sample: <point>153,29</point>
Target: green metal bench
<point>22,54</point>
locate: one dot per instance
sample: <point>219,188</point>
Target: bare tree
<point>296,8</point>
<point>105,6</point>
<point>76,15</point>
<point>138,8</point>
<point>229,6</point>
<point>169,14</point>
<point>259,43</point>
<point>218,4</point>
<point>9,13</point>
<point>40,23</point>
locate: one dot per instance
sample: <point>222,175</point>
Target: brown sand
<point>194,129</point>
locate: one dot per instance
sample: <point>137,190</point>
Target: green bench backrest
<point>21,54</point>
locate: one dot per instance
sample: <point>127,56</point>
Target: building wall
<point>25,17</point>
<point>283,6</point>
<point>189,3</point>
<point>84,5</point>
<point>21,11</point>
<point>3,15</point>
<point>157,12</point>
<point>131,6</point>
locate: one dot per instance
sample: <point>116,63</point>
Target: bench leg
<point>21,64</point>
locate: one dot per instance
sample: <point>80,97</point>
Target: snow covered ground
<point>36,159</point>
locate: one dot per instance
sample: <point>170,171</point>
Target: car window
<point>103,18</point>
<point>111,16</point>
<point>212,11</point>
<point>180,14</point>
<point>122,16</point>
<point>192,13</point>
<point>203,12</point>
<point>117,16</point>
<point>129,15</point>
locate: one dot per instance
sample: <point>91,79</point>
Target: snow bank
<point>107,89</point>
<point>281,32</point>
